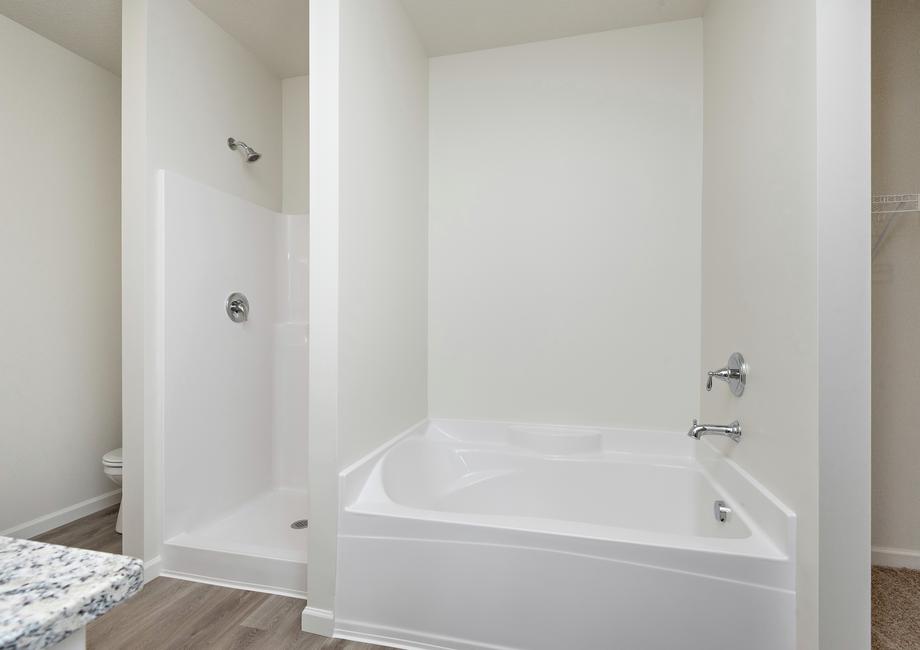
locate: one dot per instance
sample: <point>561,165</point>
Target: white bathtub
<point>488,535</point>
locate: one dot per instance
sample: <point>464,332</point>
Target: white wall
<point>296,144</point>
<point>368,251</point>
<point>760,254</point>
<point>203,87</point>
<point>325,37</point>
<point>895,278</point>
<point>383,226</point>
<point>140,421</point>
<point>59,254</point>
<point>565,229</point>
<point>844,322</point>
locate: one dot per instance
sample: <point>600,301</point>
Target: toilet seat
<point>112,467</point>
<point>112,458</point>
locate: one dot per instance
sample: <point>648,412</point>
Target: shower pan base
<point>253,547</point>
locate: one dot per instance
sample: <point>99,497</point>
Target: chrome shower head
<point>250,154</point>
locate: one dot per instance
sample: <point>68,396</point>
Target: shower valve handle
<point>725,374</point>
<point>238,307</point>
<point>734,374</point>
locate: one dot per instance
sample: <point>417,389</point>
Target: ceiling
<point>452,26</point>
<point>275,31</point>
<point>90,28</point>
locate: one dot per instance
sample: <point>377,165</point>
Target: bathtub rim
<point>772,524</point>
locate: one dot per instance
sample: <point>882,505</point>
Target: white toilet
<point>111,465</point>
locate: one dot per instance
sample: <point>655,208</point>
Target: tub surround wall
<point>59,238</point>
<point>557,168</point>
<point>760,264</point>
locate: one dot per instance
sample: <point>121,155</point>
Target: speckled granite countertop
<point>47,592</point>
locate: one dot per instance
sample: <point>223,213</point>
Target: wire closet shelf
<point>886,208</point>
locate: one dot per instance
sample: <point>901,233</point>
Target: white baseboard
<point>66,515</point>
<point>317,621</point>
<point>406,639</point>
<point>896,557</point>
<point>153,568</point>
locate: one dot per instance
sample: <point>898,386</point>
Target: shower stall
<point>226,161</point>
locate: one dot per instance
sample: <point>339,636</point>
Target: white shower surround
<point>564,229</point>
<point>521,536</point>
<point>235,409</point>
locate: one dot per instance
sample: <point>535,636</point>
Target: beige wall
<point>760,254</point>
<point>556,168</point>
<point>895,88</point>
<point>60,399</point>
<point>896,281</point>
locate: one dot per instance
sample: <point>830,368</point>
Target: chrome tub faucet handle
<point>734,374</point>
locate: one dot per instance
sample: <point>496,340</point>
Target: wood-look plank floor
<point>171,613</point>
<point>176,614</point>
<point>95,532</point>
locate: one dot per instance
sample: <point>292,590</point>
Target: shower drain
<point>300,523</point>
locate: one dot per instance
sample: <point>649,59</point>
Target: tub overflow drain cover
<point>300,523</point>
